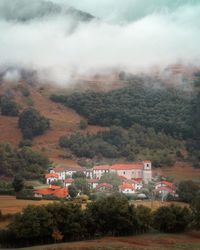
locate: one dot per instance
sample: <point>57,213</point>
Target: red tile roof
<point>68,180</point>
<point>51,175</point>
<point>106,185</point>
<point>58,192</point>
<point>126,186</point>
<point>147,161</point>
<point>127,166</point>
<point>61,193</point>
<point>166,183</point>
<point>101,167</point>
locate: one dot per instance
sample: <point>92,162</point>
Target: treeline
<point>164,109</point>
<point>108,216</point>
<point>23,161</point>
<point>136,143</point>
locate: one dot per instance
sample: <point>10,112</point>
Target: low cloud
<point>44,37</point>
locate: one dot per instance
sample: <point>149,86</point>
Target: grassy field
<point>156,204</point>
<point>143,242</point>
<point>180,171</point>
<point>10,205</point>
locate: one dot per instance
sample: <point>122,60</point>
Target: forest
<point>165,109</point>
<point>134,144</point>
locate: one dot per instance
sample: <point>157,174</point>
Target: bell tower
<point>147,171</point>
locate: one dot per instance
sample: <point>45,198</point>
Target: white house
<point>68,182</point>
<point>60,172</point>
<point>51,177</point>
<point>93,183</point>
<point>127,188</point>
<point>98,171</point>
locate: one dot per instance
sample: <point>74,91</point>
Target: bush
<point>25,143</point>
<point>83,124</point>
<point>172,219</point>
<point>32,123</point>
<point>9,107</point>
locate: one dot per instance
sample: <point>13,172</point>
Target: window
<point>124,172</point>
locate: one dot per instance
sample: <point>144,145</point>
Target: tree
<point>72,191</point>
<point>18,183</point>
<point>187,190</point>
<point>111,178</point>
<point>195,207</point>
<point>8,107</point>
<point>172,219</point>
<point>78,175</point>
<point>113,215</point>
<point>83,124</point>
<point>144,216</point>
<point>32,123</point>
<point>82,185</point>
<point>57,235</point>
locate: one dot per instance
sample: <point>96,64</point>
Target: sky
<point>131,35</point>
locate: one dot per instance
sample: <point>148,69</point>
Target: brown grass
<point>180,171</point>
<point>156,204</point>
<point>10,205</point>
<point>143,242</point>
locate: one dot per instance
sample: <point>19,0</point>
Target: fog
<point>132,35</point>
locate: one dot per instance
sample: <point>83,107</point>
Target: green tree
<point>78,175</point>
<point>82,185</point>
<point>113,215</point>
<point>32,123</point>
<point>8,107</point>
<point>172,219</point>
<point>111,178</point>
<point>18,183</point>
<point>187,190</point>
<point>144,216</point>
<point>72,191</point>
<point>195,207</point>
<point>83,124</point>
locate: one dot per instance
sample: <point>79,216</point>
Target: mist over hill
<point>52,38</point>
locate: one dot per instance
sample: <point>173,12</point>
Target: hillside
<point>116,95</point>
<point>63,121</point>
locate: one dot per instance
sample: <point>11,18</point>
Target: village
<point>134,179</point>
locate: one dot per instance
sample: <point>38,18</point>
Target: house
<point>98,171</point>
<point>59,171</point>
<point>68,182</point>
<point>53,191</point>
<point>141,170</point>
<point>166,184</point>
<point>88,173</point>
<point>138,183</point>
<point>93,183</point>
<point>164,188</point>
<point>69,171</point>
<point>104,187</point>
<point>51,177</point>
<point>127,188</point>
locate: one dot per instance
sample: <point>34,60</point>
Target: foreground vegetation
<point>108,216</point>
